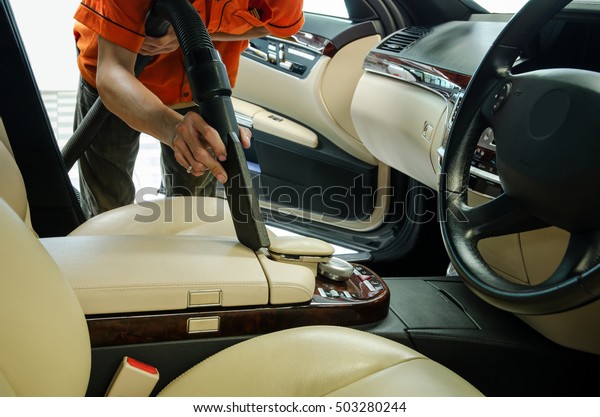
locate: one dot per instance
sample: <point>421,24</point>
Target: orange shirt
<point>122,22</point>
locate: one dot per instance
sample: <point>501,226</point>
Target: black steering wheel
<point>546,124</point>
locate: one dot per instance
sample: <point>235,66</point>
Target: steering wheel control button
<point>501,96</point>
<point>484,178</point>
<point>487,137</point>
<point>336,269</point>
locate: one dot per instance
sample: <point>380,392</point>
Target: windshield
<point>501,6</point>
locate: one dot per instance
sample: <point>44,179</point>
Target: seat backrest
<point>44,340</point>
<point>12,187</point>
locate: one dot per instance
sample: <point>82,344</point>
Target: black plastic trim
<point>55,209</point>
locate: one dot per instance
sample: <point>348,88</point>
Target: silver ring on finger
<point>189,169</point>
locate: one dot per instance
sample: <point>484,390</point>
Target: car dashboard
<point>405,104</point>
<point>440,61</point>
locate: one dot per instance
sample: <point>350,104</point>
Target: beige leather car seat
<point>199,216</point>
<point>12,187</point>
<point>170,216</point>
<point>149,226</point>
<point>45,348</point>
<point>206,216</point>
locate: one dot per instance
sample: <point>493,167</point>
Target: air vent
<point>404,38</point>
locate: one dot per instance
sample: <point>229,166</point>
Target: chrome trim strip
<point>201,320</point>
<point>257,52</point>
<point>210,292</point>
<point>485,175</point>
<point>297,52</point>
<point>429,78</point>
<point>441,151</point>
<point>244,120</point>
<point>311,41</point>
<point>299,258</point>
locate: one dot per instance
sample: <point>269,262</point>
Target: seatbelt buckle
<point>133,379</point>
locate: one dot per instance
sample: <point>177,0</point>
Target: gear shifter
<point>335,269</point>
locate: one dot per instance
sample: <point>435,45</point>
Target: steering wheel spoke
<point>545,127</point>
<point>583,253</point>
<point>499,217</point>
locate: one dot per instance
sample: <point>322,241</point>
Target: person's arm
<point>169,43</point>
<point>129,99</point>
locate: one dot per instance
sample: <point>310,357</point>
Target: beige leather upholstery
<point>12,187</point>
<point>121,274</point>
<point>118,274</point>
<point>45,349</point>
<point>319,361</point>
<point>342,77</point>
<point>44,341</point>
<point>382,105</point>
<point>288,284</point>
<point>284,129</point>
<point>5,388</point>
<point>101,259</point>
<point>299,246</point>
<point>136,273</point>
<point>170,216</point>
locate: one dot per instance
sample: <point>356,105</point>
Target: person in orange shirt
<point>109,34</point>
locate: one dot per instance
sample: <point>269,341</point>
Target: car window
<point>330,7</point>
<point>501,6</point>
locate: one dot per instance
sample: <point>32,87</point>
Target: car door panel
<point>296,99</point>
<point>296,95</point>
<point>252,116</point>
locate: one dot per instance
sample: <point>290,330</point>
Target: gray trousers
<point>106,168</point>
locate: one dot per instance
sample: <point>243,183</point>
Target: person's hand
<point>163,45</point>
<point>245,137</point>
<point>198,147</point>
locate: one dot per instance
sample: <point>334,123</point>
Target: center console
<point>362,299</point>
<point>173,341</point>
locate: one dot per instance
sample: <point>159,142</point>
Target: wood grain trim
<point>368,307</point>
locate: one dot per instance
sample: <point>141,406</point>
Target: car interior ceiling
<point>434,313</point>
